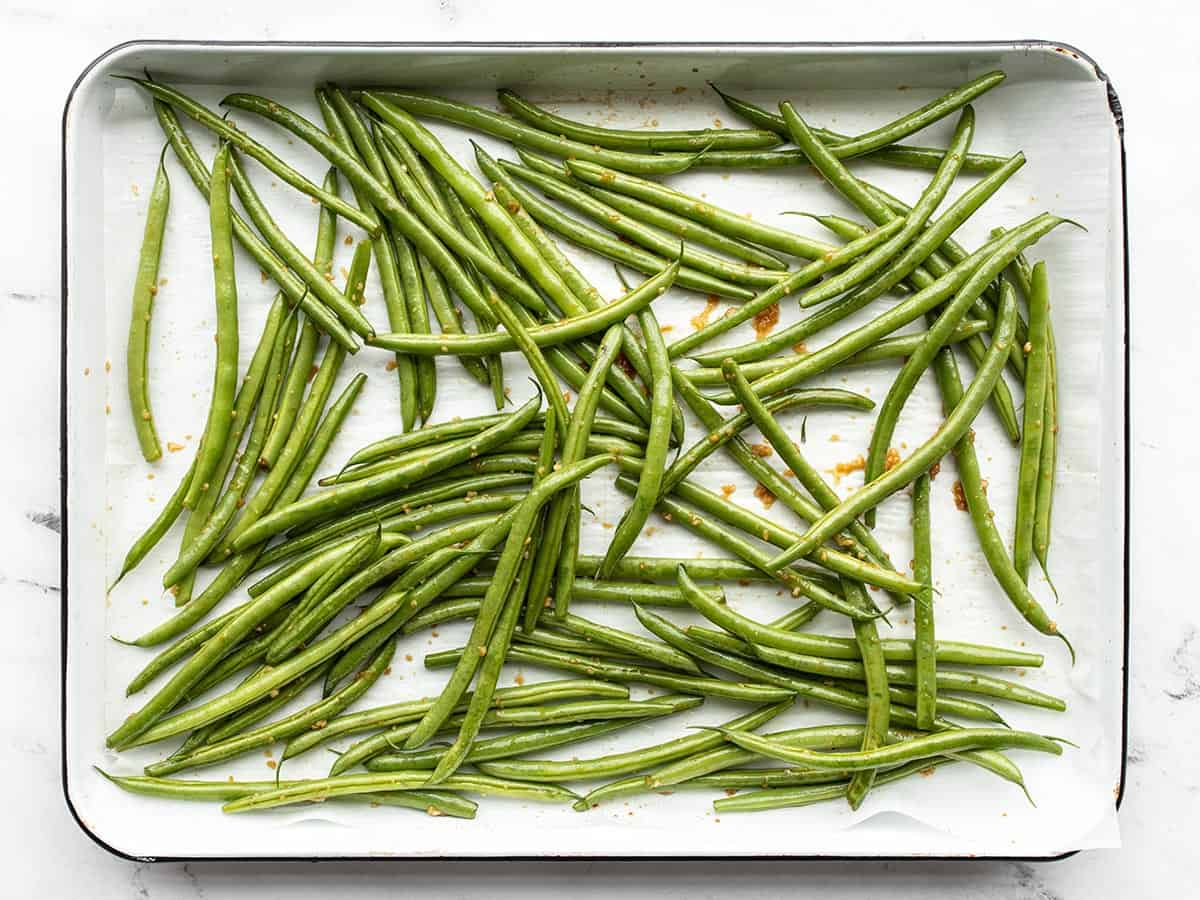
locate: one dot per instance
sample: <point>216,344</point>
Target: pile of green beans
<point>480,520</point>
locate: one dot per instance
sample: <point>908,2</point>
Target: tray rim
<point>1034,44</point>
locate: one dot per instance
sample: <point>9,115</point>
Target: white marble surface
<point>1148,51</point>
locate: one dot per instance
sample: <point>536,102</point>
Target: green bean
<point>690,458</point>
<point>412,710</point>
<point>920,251</point>
<point>935,338</point>
<point>587,294</point>
<point>401,516</point>
<point>914,220</point>
<point>717,758</point>
<point>896,154</point>
<point>445,611</point>
<point>515,548</point>
<point>894,650</point>
<point>967,682</point>
<point>239,723</point>
<point>629,761</point>
<point>434,803</point>
<point>313,278</point>
<point>352,581</point>
<point>632,140</point>
<point>269,493</point>
<point>264,256</point>
<point>1036,368</point>
<point>389,541</point>
<point>943,742</point>
<point>135,726</point>
<point>633,645</point>
<point>476,197</point>
<point>543,637</point>
<point>234,135</point>
<point>682,227</point>
<point>685,684</point>
<point>446,230</point>
<point>239,742</point>
<point>754,466</point>
<point>551,180</point>
<point>881,237</point>
<point>978,506</point>
<point>350,134</point>
<point>519,133</point>
<point>775,780</point>
<point>291,393</point>
<point>662,568</point>
<point>177,651</point>
<point>342,497</point>
<point>220,419</point>
<point>145,287</point>
<point>584,235</point>
<point>926,646</point>
<point>956,425</point>
<point>560,332</point>
<point>828,670</point>
<point>1049,457</point>
<point>797,580</point>
<point>503,746</point>
<point>727,223</point>
<point>154,532</point>
<point>322,789</point>
<point>780,798</point>
<point>657,447</point>
<point>883,574</point>
<point>591,589</point>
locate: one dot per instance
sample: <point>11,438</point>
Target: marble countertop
<point>1148,51</point>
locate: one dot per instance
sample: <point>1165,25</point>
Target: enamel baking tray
<point>1056,106</point>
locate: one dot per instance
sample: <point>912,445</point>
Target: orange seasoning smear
<point>843,469</point>
<point>892,460</point>
<point>701,319</point>
<point>960,496</point>
<point>761,450</point>
<point>765,497</point>
<point>766,320</point>
<point>727,490</point>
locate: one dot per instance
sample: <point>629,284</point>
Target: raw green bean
<point>633,140</point>
<point>978,506</point>
<point>894,650</point>
<point>552,180</point>
<point>560,332</point>
<point>686,684</point>
<point>264,256</point>
<point>341,497</point>
<point>904,155</point>
<point>234,135</point>
<point>322,789</point>
<point>657,447</point>
<point>503,746</point>
<point>787,797</point>
<point>411,710</point>
<point>133,728</point>
<point>473,194</point>
<point>1036,368</point>
<point>584,235</point>
<point>941,743</point>
<point>690,458</point>
<point>882,236</point>
<point>922,250</point>
<point>629,761</point>
<point>915,366</point>
<point>145,287</point>
<point>956,425</point>
<point>728,223</point>
<point>313,278</point>
<point>235,743</point>
<point>352,136</point>
<point>926,646</point>
<point>519,133</point>
<point>225,377</point>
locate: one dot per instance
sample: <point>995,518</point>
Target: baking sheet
<point>1052,107</point>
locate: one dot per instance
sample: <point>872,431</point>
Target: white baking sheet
<point>1053,107</point>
